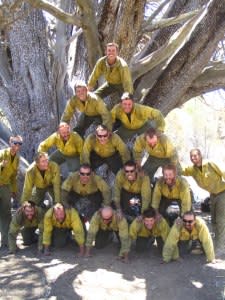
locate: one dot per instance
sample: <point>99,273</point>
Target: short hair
<point>101,127</point>
<point>171,167</point>
<point>63,124</point>
<point>113,44</point>
<point>197,150</point>
<point>29,204</point>
<point>127,96</point>
<point>150,132</point>
<point>130,163</point>
<point>190,213</point>
<point>39,155</point>
<point>58,206</point>
<point>17,137</point>
<point>85,166</point>
<point>149,213</point>
<point>80,83</point>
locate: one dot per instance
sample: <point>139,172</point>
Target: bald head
<point>106,214</point>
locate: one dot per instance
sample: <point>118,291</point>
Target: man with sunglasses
<point>209,177</point>
<point>41,177</point>
<point>9,163</point>
<point>189,236</point>
<point>103,223</point>
<point>160,151</point>
<point>132,118</point>
<point>26,220</point>
<point>91,107</point>
<point>132,192</point>
<point>171,189</point>
<point>68,144</point>
<point>85,191</point>
<point>105,147</point>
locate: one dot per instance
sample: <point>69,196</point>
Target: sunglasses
<point>188,221</point>
<point>85,174</point>
<point>17,143</point>
<point>129,171</point>
<point>102,136</point>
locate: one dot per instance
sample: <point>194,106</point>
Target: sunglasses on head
<point>85,173</point>
<point>188,221</point>
<point>100,136</point>
<point>17,143</point>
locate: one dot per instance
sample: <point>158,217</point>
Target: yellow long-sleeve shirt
<point>120,226</point>
<point>179,233</point>
<point>118,73</point>
<point>33,178</point>
<point>72,221</point>
<point>20,221</point>
<point>113,145</point>
<point>180,190</point>
<point>159,229</point>
<point>140,186</point>
<point>72,147</point>
<point>8,172</point>
<point>208,177</point>
<point>93,106</point>
<point>138,117</point>
<point>96,183</point>
<point>163,149</point>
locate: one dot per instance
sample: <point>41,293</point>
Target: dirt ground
<point>64,275</point>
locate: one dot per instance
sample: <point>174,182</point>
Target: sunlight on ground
<point>197,284</point>
<point>103,284</point>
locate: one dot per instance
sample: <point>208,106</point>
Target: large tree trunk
<point>29,101</point>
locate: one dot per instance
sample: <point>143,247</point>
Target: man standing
<point>68,144</point>
<point>115,71</point>
<point>9,163</point>
<point>209,177</point>
<point>85,191</point>
<point>58,223</point>
<point>91,107</point>
<point>160,151</point>
<point>190,236</point>
<point>150,227</point>
<point>26,219</point>
<point>134,118</point>
<point>41,177</point>
<point>103,224</point>
<point>171,189</point>
<point>105,147</point>
<point>132,192</point>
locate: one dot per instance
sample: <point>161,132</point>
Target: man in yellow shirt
<point>85,191</point>
<point>105,147</point>
<point>132,192</point>
<point>102,226</point>
<point>58,223</point>
<point>149,228</point>
<point>68,144</point>
<point>171,190</point>
<point>9,163</point>
<point>26,220</point>
<point>209,177</point>
<point>91,107</point>
<point>159,149</point>
<point>189,236</point>
<point>41,177</point>
<point>115,71</point>
<point>132,119</point>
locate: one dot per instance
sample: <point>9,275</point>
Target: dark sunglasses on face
<point>100,136</point>
<point>17,143</point>
<point>129,171</point>
<point>85,174</point>
<point>188,221</point>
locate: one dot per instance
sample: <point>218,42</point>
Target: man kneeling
<point>149,228</point>
<point>26,220</point>
<point>58,223</point>
<point>189,236</point>
<point>103,223</point>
